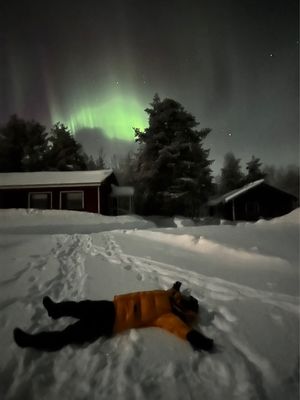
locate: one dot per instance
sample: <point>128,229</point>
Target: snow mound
<point>291,218</point>
<point>180,222</point>
<point>57,221</point>
<point>204,246</point>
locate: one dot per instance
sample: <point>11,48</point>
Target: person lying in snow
<point>167,309</point>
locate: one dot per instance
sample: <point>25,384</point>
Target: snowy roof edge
<point>53,178</point>
<point>234,193</point>
<point>243,189</point>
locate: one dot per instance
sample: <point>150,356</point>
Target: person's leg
<point>80,309</point>
<point>77,333</point>
<point>99,323</point>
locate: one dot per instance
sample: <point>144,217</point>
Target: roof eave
<point>57,185</point>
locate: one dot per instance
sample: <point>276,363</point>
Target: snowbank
<point>291,218</point>
<point>57,221</point>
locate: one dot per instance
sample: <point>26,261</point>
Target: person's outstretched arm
<point>199,341</point>
<point>176,326</point>
<point>177,286</point>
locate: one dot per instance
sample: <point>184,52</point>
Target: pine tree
<point>254,170</point>
<point>173,174</point>
<point>98,163</point>
<point>65,153</point>
<point>126,171</point>
<point>231,175</point>
<point>90,163</point>
<point>284,178</point>
<point>23,145</point>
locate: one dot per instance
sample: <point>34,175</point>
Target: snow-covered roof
<point>53,178</point>
<point>119,191</point>
<point>235,193</point>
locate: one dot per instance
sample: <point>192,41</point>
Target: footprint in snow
<point>128,267</point>
<point>139,277</point>
<point>277,318</point>
<point>221,324</point>
<point>114,261</point>
<point>206,316</point>
<point>227,314</point>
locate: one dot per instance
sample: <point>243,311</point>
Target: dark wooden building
<point>252,202</point>
<point>90,191</point>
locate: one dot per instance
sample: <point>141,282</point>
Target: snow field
<point>255,322</point>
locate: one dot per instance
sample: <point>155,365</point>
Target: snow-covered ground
<point>246,278</point>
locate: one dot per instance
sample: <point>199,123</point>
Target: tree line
<point>27,146</point>
<point>232,177</point>
<point>171,170</point>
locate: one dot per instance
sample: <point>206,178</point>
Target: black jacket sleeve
<point>177,286</point>
<point>198,341</point>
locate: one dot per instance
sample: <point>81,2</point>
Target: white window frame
<point>71,191</point>
<point>30,193</point>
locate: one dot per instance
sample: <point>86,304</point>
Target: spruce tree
<point>100,163</point>
<point>231,175</point>
<point>90,163</point>
<point>173,174</point>
<point>65,153</point>
<point>254,170</point>
<point>126,170</point>
<point>23,145</point>
<point>95,164</point>
<point>284,178</point>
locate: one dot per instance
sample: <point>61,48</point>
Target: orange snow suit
<point>145,309</point>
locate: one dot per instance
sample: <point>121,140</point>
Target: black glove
<point>177,286</point>
<point>198,341</point>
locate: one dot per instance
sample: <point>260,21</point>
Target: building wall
<point>106,201</point>
<point>18,198</point>
<point>263,201</point>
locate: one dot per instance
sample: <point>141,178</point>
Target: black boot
<point>22,338</point>
<point>50,307</point>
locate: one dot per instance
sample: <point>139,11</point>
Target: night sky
<point>97,65</point>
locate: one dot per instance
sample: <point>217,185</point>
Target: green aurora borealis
<point>116,116</point>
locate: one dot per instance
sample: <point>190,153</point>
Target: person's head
<point>186,307</point>
<point>189,303</point>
